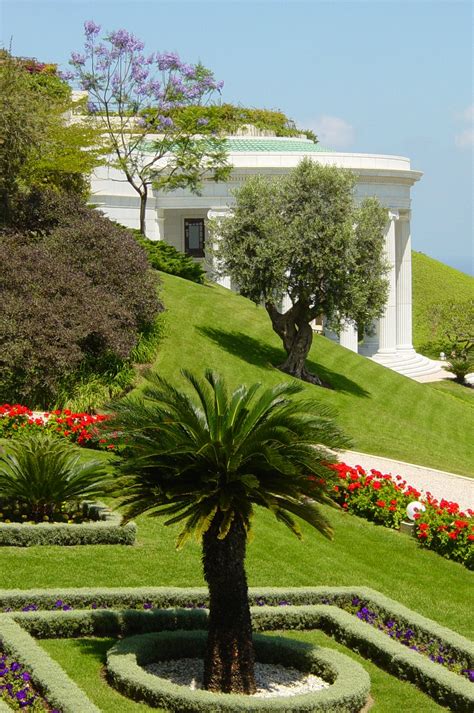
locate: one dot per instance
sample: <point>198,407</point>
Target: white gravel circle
<point>272,679</point>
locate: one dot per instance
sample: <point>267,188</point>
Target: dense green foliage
<point>435,285</point>
<point>228,118</point>
<point>38,147</point>
<point>384,413</point>
<point>166,258</point>
<point>76,293</point>
<point>302,236</point>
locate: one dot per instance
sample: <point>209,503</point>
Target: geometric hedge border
<point>304,611</point>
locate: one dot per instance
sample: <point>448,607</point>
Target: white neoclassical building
<point>180,218</point>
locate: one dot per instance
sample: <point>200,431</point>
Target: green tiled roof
<point>279,145</point>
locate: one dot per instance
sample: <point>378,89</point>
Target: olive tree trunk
<point>294,329</point>
<point>229,660</point>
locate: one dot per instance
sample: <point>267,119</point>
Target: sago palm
<point>206,459</point>
<point>41,472</point>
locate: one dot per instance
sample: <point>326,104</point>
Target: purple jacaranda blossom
<point>138,72</point>
<point>167,61</point>
<point>77,59</point>
<point>66,76</point>
<point>165,122</point>
<point>92,107</point>
<point>125,41</point>
<point>90,28</point>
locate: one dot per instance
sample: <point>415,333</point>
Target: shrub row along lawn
<point>384,413</point>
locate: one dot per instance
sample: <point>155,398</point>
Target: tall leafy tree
<point>206,459</point>
<point>304,236</point>
<point>38,146</point>
<point>174,146</point>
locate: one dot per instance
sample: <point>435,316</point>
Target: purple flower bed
<point>434,649</point>
<point>17,690</point>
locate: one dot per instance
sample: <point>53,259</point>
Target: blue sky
<point>383,76</point>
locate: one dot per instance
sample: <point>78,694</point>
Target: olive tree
<point>304,236</point>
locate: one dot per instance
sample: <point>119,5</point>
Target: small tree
<point>174,146</point>
<point>455,322</point>
<point>207,461</point>
<point>302,235</point>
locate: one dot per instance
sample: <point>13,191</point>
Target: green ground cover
<point>384,413</point>
<point>434,283</point>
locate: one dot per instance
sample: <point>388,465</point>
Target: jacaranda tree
<point>174,146</point>
<point>206,459</point>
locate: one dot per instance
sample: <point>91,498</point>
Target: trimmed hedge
<point>349,689</point>
<point>106,530</point>
<point>53,682</point>
<point>301,608</point>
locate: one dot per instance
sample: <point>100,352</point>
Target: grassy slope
<point>384,413</point>
<point>434,283</point>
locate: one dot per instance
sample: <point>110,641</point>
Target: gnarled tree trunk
<point>296,333</point>
<point>229,661</point>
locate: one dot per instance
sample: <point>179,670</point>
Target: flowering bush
<point>383,499</point>
<point>79,428</point>
<point>16,687</point>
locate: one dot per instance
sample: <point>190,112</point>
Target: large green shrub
<point>76,293</point>
<point>166,258</point>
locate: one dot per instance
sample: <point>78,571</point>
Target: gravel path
<point>272,680</point>
<point>439,483</point>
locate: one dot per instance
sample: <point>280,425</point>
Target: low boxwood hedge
<point>349,689</point>
<point>105,529</point>
<point>273,609</point>
<point>56,686</point>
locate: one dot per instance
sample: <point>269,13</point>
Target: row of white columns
<point>392,335</point>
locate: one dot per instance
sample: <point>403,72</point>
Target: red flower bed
<point>80,428</point>
<point>383,499</point>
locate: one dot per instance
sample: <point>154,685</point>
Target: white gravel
<point>272,679</point>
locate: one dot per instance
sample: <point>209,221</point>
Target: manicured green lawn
<point>361,553</point>
<point>384,413</point>
<point>83,660</point>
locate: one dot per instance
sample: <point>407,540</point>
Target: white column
<point>404,300</point>
<point>388,322</point>
<point>349,337</point>
<point>224,280</point>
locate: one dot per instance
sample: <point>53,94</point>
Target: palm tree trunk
<point>229,662</point>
